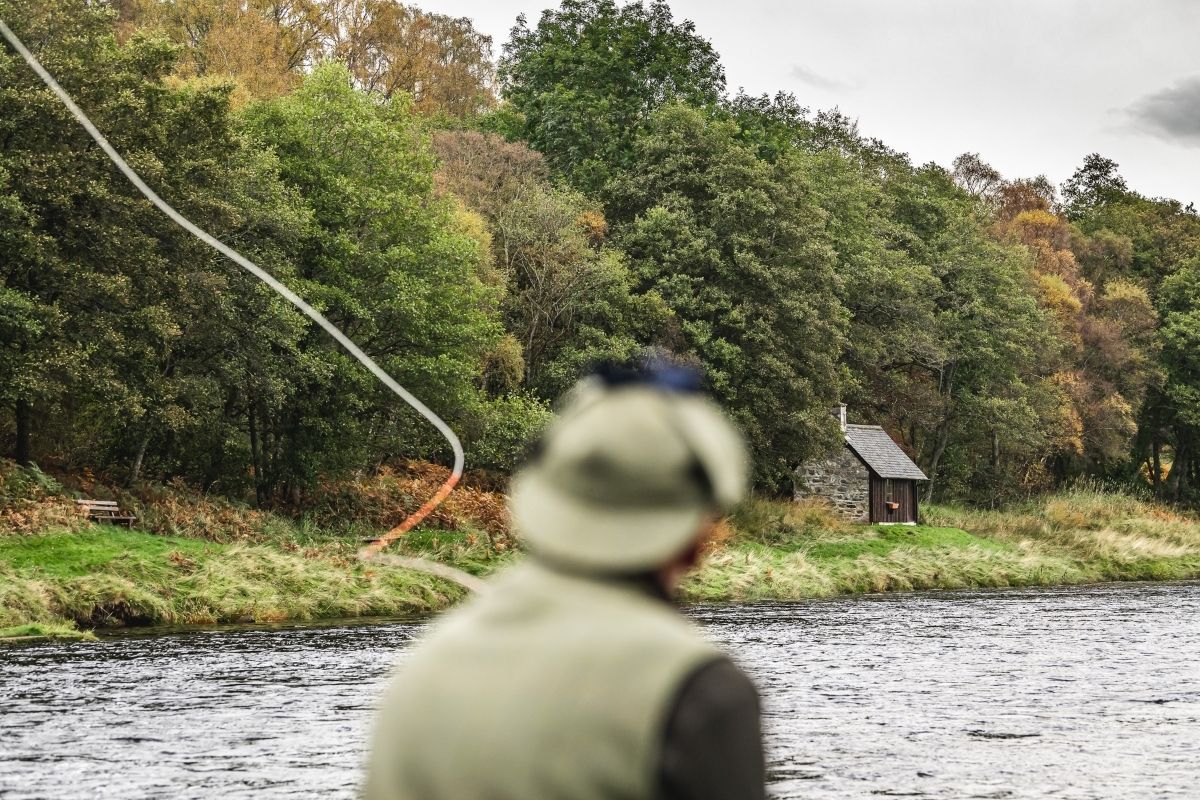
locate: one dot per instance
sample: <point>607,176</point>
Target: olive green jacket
<point>551,687</point>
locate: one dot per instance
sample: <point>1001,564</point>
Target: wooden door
<point>901,493</point>
<point>878,503</point>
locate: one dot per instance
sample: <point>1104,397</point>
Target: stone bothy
<point>870,479</point>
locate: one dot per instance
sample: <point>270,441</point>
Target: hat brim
<point>585,535</point>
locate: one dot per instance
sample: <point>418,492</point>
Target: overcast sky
<point>1031,85</point>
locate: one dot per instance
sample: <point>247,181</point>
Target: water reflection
<point>1078,693</point>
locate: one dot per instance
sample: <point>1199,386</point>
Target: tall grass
<point>772,522</point>
<point>785,551</point>
<point>200,559</point>
<point>1085,524</point>
<point>112,576</point>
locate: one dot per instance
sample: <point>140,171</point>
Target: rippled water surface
<point>1074,693</point>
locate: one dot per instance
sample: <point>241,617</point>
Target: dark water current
<point>1073,693</point>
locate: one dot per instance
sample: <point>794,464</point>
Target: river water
<point>1068,693</point>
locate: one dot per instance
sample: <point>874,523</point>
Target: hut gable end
<point>842,479</point>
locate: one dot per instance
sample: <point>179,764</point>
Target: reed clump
<point>39,630</point>
<point>772,522</point>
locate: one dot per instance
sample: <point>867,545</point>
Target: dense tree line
<point>487,232</point>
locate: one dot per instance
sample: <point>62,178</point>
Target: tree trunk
<point>1176,480</point>
<point>946,390</point>
<point>943,439</point>
<point>136,471</point>
<point>255,453</point>
<point>269,458</point>
<point>24,450</point>
<point>1155,466</point>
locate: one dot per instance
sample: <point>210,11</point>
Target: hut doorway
<point>893,500</point>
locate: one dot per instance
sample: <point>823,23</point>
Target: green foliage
<point>589,76</point>
<point>570,299</point>
<point>137,347</point>
<point>1094,185</point>
<point>616,205</point>
<point>385,262</point>
<point>502,429</point>
<point>145,324</point>
<point>25,484</point>
<point>734,247</point>
<point>885,278</point>
<point>1179,302</point>
<point>1149,244</point>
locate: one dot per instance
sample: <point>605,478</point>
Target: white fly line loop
<point>371,552</point>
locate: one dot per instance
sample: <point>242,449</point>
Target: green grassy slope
<point>111,576</point>
<point>211,561</point>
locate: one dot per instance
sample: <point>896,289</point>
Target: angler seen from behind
<point>606,690</point>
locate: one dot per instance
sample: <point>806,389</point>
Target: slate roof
<point>872,444</point>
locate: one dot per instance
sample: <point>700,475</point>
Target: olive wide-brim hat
<point>626,476</point>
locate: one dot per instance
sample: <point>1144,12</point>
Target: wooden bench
<point>106,512</point>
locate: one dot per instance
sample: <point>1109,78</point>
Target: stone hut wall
<point>842,480</point>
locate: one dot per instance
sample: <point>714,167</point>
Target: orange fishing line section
<point>411,522</point>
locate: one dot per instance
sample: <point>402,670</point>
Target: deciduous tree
<point>735,247</point>
<point>588,76</point>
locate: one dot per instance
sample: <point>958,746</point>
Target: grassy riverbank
<point>781,551</point>
<point>110,576</point>
<point>198,560</point>
<point>201,560</point>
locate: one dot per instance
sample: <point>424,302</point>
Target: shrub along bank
<point>201,560</point>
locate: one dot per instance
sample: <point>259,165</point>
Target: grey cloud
<point>816,79</point>
<point>1173,113</point>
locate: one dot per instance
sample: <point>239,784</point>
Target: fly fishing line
<point>371,552</point>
